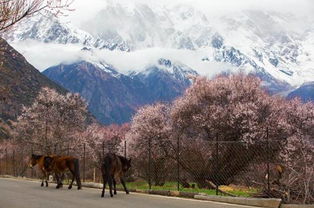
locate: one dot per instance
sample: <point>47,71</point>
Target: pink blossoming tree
<point>53,123</point>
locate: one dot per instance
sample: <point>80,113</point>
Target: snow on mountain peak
<point>276,44</point>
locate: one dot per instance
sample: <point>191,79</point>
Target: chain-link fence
<point>224,167</point>
<point>13,162</point>
<point>233,168</point>
<point>201,166</point>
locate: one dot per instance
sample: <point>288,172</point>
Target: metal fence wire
<point>233,168</point>
<point>204,164</point>
<point>215,167</point>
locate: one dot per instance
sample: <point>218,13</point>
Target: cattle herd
<point>113,169</point>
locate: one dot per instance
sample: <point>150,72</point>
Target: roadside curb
<point>259,202</point>
<point>156,192</point>
<point>92,185</point>
<point>8,176</point>
<point>297,206</point>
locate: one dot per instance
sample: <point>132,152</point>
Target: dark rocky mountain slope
<point>305,92</point>
<point>20,83</point>
<point>114,97</point>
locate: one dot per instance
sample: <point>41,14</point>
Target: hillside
<point>113,97</point>
<point>305,92</point>
<point>19,84</point>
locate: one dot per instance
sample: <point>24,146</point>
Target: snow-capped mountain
<point>261,42</point>
<point>174,70</point>
<point>114,97</point>
<point>50,29</point>
<point>305,92</point>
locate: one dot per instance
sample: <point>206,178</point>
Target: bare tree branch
<point>13,11</point>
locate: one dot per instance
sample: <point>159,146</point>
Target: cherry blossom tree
<point>98,141</point>
<point>53,123</point>
<point>298,152</point>
<point>149,139</point>
<point>221,128</point>
<point>101,140</point>
<point>232,109</point>
<point>5,146</point>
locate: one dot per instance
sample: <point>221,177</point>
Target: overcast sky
<point>86,9</point>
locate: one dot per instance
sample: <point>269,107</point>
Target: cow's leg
<point>110,184</point>
<point>43,178</point>
<point>114,186</point>
<point>124,186</point>
<point>61,179</point>
<point>73,177</point>
<point>47,178</point>
<point>57,180</point>
<point>104,178</point>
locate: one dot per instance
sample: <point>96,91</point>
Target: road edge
<point>258,202</point>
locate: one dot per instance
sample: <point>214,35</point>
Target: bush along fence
<point>213,167</point>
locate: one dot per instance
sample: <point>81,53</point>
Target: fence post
<point>1,165</point>
<point>94,175</point>
<point>13,162</point>
<point>84,156</point>
<point>125,148</point>
<point>268,160</point>
<point>20,171</point>
<point>217,164</point>
<point>6,161</point>
<point>103,150</point>
<point>32,171</point>
<point>149,164</point>
<point>178,163</point>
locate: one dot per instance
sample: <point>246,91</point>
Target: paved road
<point>16,193</point>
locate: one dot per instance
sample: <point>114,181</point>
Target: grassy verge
<point>172,186</point>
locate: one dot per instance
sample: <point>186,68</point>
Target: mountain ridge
<point>115,97</point>
<point>249,40</point>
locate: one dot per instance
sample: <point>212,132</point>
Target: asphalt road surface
<point>15,193</point>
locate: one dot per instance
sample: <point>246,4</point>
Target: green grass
<point>172,186</point>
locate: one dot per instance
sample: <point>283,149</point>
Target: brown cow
<point>113,168</point>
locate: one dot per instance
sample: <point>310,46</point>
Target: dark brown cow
<point>113,169</point>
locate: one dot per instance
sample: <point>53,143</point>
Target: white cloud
<point>141,59</point>
<point>85,10</point>
<point>293,6</point>
<point>44,55</point>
